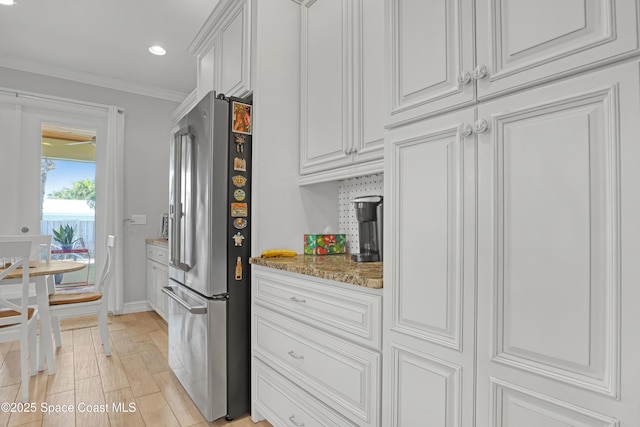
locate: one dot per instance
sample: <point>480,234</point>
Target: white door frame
<point>31,110</point>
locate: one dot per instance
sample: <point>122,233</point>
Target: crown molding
<point>184,107</point>
<point>204,38</point>
<point>89,78</point>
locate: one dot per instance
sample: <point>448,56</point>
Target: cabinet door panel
<point>324,86</point>
<point>206,71</point>
<point>152,297</point>
<point>430,44</point>
<point>369,137</point>
<point>550,201</point>
<point>429,275</point>
<point>430,390</point>
<point>233,48</point>
<point>522,43</point>
<point>427,236</point>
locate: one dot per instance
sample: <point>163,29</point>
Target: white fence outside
<point>84,229</point>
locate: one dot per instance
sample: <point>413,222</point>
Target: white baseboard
<point>135,307</point>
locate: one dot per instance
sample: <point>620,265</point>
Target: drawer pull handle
<point>295,356</point>
<point>292,419</point>
<point>294,299</point>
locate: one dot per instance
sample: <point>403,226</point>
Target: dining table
<point>39,274</point>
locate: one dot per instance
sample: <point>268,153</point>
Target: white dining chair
<point>17,319</point>
<point>83,303</point>
<point>40,244</point>
<point>40,248</point>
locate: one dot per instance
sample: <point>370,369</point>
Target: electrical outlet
<point>138,219</point>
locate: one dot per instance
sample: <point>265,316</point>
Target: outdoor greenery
<point>82,190</point>
<point>65,235</point>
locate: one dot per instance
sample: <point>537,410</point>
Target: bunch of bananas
<point>277,252</point>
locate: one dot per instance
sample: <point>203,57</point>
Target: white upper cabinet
<point>518,44</point>
<point>369,91</point>
<point>342,96</point>
<point>324,114</point>
<point>235,41</point>
<point>223,48</point>
<point>522,42</point>
<point>430,46</point>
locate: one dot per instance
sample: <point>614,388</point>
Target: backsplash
<point>348,189</point>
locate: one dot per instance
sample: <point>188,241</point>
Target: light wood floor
<point>136,376</point>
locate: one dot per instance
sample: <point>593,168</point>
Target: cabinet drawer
<point>283,403</point>
<point>158,254</point>
<point>342,375</point>
<point>352,314</point>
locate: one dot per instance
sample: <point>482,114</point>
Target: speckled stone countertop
<point>332,267</point>
<point>159,242</point>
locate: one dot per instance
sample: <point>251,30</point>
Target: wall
<point>349,189</point>
<point>146,155</point>
<point>283,211</point>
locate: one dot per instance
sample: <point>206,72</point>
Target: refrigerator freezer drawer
<point>197,348</point>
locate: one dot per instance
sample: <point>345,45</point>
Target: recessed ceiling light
<point>156,50</point>
<point>7,2</point>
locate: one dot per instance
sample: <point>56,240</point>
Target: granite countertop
<point>332,267</point>
<point>158,241</point>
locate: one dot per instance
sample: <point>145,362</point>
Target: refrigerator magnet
<point>241,118</point>
<point>239,195</point>
<point>237,239</point>
<point>239,180</point>
<point>239,210</point>
<point>239,140</point>
<point>239,268</point>
<point>240,223</point>
<point>239,164</point>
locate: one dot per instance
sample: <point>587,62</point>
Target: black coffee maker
<point>369,216</point>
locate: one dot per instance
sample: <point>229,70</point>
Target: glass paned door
<point>68,196</point>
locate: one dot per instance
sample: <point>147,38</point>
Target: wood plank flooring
<point>136,379</point>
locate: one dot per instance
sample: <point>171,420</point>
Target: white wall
<point>146,164</point>
<point>282,211</point>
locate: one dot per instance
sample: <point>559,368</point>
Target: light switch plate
<point>138,219</point>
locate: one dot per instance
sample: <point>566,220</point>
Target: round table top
<point>44,268</point>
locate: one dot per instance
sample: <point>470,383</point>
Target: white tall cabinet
<point>512,232</point>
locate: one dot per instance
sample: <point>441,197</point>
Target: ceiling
<point>105,42</point>
<point>68,144</point>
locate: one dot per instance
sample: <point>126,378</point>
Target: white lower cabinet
<point>157,278</point>
<point>282,403</point>
<point>316,351</point>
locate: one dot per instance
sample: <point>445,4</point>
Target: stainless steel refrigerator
<point>209,244</point>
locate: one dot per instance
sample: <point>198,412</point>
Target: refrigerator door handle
<point>174,203</point>
<point>181,193</point>
<point>199,309</point>
<point>186,199</point>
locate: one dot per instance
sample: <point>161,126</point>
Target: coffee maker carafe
<point>369,216</point>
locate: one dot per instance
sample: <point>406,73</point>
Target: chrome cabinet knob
<point>464,77</point>
<point>480,126</point>
<point>465,129</point>
<point>480,72</point>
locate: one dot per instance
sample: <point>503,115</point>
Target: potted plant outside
<point>66,236</point>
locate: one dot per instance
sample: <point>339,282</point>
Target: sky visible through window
<point>66,173</point>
